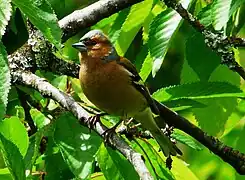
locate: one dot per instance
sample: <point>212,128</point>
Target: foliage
<point>171,58</point>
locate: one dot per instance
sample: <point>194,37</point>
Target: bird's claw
<point>109,133</point>
<point>92,120</point>
<point>108,136</point>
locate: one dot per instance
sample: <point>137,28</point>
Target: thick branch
<point>229,155</point>
<point>45,88</point>
<point>90,15</point>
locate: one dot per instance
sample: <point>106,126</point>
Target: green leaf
<point>33,150</point>
<point>77,145</point>
<point>116,27</point>
<point>213,117</point>
<point>183,104</point>
<point>146,67</point>
<point>39,118</point>
<point>219,12</point>
<point>223,74</point>
<point>43,17</point>
<point>205,16</point>
<point>5,13</point>
<point>4,80</point>
<point>187,140</point>
<point>132,25</point>
<point>181,170</point>
<point>60,82</point>
<point>56,168</point>
<point>5,174</point>
<point>114,165</point>
<point>13,158</point>
<point>162,31</point>
<point>198,90</point>
<point>154,160</point>
<point>200,58</point>
<point>13,130</point>
<point>188,75</point>
<point>222,11</point>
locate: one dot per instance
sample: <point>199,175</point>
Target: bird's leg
<point>92,120</point>
<point>108,133</point>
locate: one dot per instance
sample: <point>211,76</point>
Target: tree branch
<point>219,43</point>
<point>90,15</point>
<point>45,88</point>
<point>226,153</point>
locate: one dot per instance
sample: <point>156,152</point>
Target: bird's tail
<point>147,120</point>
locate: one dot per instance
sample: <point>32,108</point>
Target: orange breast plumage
<point>109,87</point>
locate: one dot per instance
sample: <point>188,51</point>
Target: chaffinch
<point>113,85</point>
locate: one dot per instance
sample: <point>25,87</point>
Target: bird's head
<point>95,44</point>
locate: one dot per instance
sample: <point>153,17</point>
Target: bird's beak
<point>80,46</point>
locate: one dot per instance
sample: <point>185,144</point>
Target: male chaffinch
<point>112,84</point>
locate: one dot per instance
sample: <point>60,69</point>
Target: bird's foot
<point>92,120</point>
<point>109,133</point>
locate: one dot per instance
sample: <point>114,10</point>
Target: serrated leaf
<point>4,80</point>
<point>154,161</point>
<point>198,90</point>
<point>219,12</point>
<point>43,17</point>
<point>132,25</point>
<point>5,13</point>
<point>12,158</point>
<point>222,11</point>
<point>77,145</point>
<point>224,74</point>
<point>114,165</point>
<point>146,67</point>
<point>162,30</point>
<point>219,110</point>
<point>13,130</point>
<point>187,140</point>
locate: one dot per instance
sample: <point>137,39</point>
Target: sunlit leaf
<point>114,165</point>
<point>5,13</point>
<point>78,145</point>
<point>162,30</point>
<point>4,80</point>
<point>198,90</point>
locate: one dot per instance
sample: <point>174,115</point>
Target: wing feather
<point>138,83</point>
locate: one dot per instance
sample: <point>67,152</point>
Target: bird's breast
<point>109,87</point>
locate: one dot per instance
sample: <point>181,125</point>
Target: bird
<point>112,84</point>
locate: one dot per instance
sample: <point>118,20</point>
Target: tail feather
<point>167,147</point>
<point>147,120</point>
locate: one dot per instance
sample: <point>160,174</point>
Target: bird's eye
<point>89,42</point>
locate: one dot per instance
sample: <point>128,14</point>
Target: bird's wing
<point>138,83</point>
